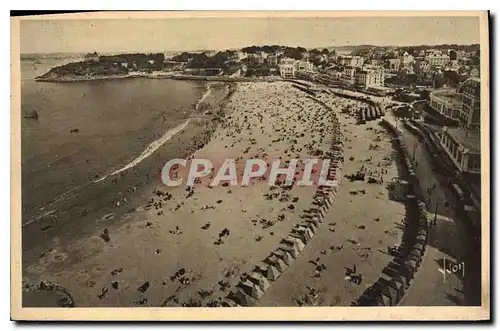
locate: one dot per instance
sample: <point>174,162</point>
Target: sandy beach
<point>361,223</point>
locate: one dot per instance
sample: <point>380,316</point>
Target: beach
<point>98,175</point>
<point>360,225</point>
<point>211,236</point>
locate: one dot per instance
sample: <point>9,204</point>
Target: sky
<point>178,34</point>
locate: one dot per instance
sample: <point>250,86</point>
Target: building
<point>421,67</point>
<point>272,60</point>
<point>370,77</point>
<point>332,72</point>
<point>349,72</point>
<point>393,64</point>
<point>474,72</point>
<point>304,65</point>
<point>453,65</point>
<point>351,61</point>
<point>332,57</point>
<point>462,105</point>
<point>463,143</point>
<point>463,146</point>
<point>241,55</point>
<point>470,96</point>
<point>437,59</point>
<point>453,54</point>
<point>306,75</point>
<point>430,51</point>
<point>92,57</point>
<point>287,70</point>
<point>407,59</point>
<point>446,102</point>
<point>287,60</point>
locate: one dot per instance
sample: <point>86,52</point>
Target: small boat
<point>73,130</point>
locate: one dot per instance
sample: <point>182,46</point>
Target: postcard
<point>272,166</point>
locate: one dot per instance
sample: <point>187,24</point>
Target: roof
<point>470,139</point>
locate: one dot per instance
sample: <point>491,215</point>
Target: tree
<point>325,51</point>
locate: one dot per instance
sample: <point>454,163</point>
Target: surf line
<point>150,149</point>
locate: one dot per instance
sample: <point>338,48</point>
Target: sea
<point>88,130</point>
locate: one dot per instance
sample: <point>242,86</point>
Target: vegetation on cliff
<point>103,66</point>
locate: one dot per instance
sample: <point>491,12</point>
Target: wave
<point>150,149</point>
<point>208,90</point>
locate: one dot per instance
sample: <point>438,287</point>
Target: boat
<point>31,114</point>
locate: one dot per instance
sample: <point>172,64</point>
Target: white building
<point>352,61</point>
<point>437,59</point>
<point>287,60</point>
<point>272,60</point>
<point>407,61</point>
<point>349,72</point>
<point>421,67</point>
<point>304,65</point>
<point>370,77</point>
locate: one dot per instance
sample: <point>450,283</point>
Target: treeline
<point>202,60</point>
<point>112,65</point>
<point>456,47</point>
<point>291,52</point>
<point>88,69</point>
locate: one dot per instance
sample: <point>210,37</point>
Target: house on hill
<point>94,57</point>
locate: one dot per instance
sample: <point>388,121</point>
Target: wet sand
<point>188,248</point>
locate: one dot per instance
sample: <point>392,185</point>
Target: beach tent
<point>283,255</point>
<point>295,242</point>
<point>251,289</point>
<point>272,273</point>
<point>421,239</point>
<point>389,295</point>
<point>226,302</point>
<point>243,299</point>
<point>259,280</point>
<point>276,262</point>
<point>420,247</point>
<point>310,226</point>
<point>401,270</point>
<point>294,252</point>
<point>304,235</point>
